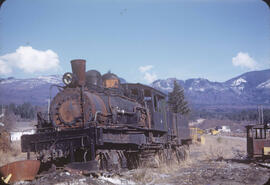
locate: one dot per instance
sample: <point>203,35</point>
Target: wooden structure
<point>258,141</point>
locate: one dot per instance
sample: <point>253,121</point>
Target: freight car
<point>258,141</point>
<point>95,118</point>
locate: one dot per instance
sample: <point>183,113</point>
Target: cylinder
<point>78,70</point>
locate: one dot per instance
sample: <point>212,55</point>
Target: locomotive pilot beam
<point>96,118</point>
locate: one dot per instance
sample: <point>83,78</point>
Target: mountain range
<point>248,89</point>
<point>34,90</point>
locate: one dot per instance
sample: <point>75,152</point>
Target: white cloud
<point>143,69</point>
<point>4,68</point>
<point>148,76</point>
<point>243,60</point>
<point>29,60</point>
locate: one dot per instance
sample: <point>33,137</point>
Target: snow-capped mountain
<point>32,82</point>
<point>34,90</point>
<point>250,88</point>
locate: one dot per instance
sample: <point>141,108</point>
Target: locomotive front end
<point>74,107</point>
<point>66,109</point>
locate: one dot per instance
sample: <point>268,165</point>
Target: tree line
<point>178,104</point>
<point>231,114</point>
<point>23,111</point>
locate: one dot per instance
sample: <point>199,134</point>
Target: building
<point>20,129</point>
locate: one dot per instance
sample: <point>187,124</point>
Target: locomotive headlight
<point>67,78</point>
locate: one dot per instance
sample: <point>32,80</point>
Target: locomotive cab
<point>152,99</point>
<point>162,119</point>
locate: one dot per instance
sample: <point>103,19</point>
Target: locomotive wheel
<point>111,160</point>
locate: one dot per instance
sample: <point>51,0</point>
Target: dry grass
<point>218,148</point>
<point>143,175</point>
<point>215,148</point>
<point>147,175</point>
<point>156,175</point>
<point>11,155</point>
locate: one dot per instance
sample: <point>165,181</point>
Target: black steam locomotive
<point>96,118</point>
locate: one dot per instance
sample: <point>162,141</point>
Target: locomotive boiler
<point>82,104</point>
<point>96,118</point>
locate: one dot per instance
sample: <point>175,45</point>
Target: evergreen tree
<point>25,110</point>
<point>177,102</point>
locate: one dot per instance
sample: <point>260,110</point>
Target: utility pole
<point>260,117</point>
<point>2,116</point>
<point>49,104</point>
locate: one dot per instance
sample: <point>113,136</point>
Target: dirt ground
<point>221,160</point>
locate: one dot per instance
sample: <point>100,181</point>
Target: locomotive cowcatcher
<point>107,125</point>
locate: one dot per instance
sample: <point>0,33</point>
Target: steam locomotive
<point>96,119</point>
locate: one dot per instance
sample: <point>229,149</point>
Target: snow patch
<point>116,181</point>
<point>238,85</point>
<point>50,79</point>
<point>197,122</point>
<point>264,85</point>
<point>202,89</point>
<point>167,87</point>
<point>9,81</point>
<point>238,82</point>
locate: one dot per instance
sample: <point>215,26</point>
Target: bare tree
<point>9,120</point>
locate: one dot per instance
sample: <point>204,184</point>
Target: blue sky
<point>139,40</point>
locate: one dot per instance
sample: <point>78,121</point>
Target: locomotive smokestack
<point>78,70</point>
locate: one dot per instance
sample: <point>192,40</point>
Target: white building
<point>223,128</point>
<point>16,135</point>
<point>21,128</point>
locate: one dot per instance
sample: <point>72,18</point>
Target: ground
<point>221,160</point>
